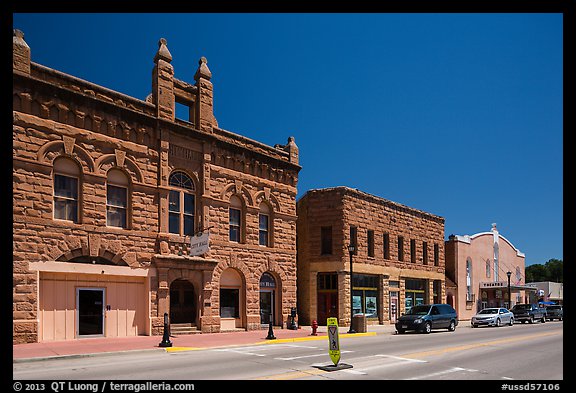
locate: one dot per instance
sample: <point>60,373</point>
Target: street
<point>519,352</point>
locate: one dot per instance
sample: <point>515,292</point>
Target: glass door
<point>90,312</point>
<point>266,307</point>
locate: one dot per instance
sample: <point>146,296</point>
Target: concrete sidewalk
<point>100,346</point>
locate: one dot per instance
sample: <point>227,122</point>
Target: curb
<point>84,355</point>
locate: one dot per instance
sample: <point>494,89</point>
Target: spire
<point>203,71</point>
<point>163,52</point>
<point>20,53</point>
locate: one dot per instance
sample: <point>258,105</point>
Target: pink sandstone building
<point>123,212</point>
<point>398,257</point>
<point>480,264</point>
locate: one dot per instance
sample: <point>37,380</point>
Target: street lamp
<point>351,250</point>
<point>509,298</point>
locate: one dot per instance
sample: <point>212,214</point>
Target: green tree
<point>553,270</point>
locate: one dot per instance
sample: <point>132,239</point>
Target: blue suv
<point>425,317</point>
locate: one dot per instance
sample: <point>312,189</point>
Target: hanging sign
<point>199,244</point>
<point>333,340</point>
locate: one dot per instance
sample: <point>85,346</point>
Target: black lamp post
<point>509,298</point>
<point>351,249</point>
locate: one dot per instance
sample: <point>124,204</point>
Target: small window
<point>386,246</point>
<point>370,243</point>
<point>235,219</point>
<point>181,204</point>
<point>354,238</point>
<point>412,250</point>
<point>326,240</point>
<point>263,230</point>
<point>436,254</point>
<point>400,248</point>
<point>488,269</point>
<point>425,253</point>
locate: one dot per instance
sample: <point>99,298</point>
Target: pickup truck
<point>554,312</point>
<point>529,312</point>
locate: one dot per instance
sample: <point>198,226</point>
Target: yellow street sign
<point>333,340</point>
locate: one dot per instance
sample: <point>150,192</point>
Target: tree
<point>553,270</point>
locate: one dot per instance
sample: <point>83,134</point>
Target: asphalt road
<point>519,352</point>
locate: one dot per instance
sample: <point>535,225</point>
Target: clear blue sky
<point>459,115</point>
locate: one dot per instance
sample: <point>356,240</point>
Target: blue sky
<point>459,115</point>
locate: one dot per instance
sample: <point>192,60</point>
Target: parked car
<point>494,316</point>
<point>529,313</point>
<point>425,317</point>
<point>555,311</point>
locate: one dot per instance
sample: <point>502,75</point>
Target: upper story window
<point>488,268</point>
<point>412,250</point>
<point>425,253</point>
<point>117,199</point>
<point>400,248</point>
<point>370,243</point>
<point>264,225</point>
<point>66,181</point>
<point>235,219</point>
<point>518,274</point>
<point>386,246</point>
<point>436,254</point>
<point>354,238</point>
<point>181,204</point>
<point>326,240</point>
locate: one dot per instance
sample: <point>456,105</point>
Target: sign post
<point>333,340</point>
<point>333,347</point>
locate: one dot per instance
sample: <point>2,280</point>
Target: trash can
<point>359,323</point>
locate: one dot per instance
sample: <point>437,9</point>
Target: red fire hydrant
<point>314,327</point>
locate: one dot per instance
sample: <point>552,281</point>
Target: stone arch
<point>238,190</point>
<point>272,201</point>
<point>108,161</point>
<point>73,247</point>
<point>50,150</point>
<point>190,174</point>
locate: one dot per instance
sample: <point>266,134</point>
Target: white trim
<point>66,267</point>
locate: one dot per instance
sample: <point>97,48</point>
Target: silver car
<point>496,316</point>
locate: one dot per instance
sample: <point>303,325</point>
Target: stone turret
<point>205,101</point>
<point>20,53</point>
<point>163,83</point>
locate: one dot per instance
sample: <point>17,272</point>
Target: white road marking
<point>308,356</point>
<point>451,370</point>
<point>403,359</point>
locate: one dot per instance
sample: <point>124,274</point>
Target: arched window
<point>181,205</point>
<point>264,225</point>
<point>487,268</point>
<point>66,183</point>
<point>469,296</point>
<point>235,219</point>
<point>117,199</point>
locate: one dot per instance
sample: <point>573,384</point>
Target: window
<point>327,281</point>
<point>66,175</point>
<point>412,250</point>
<point>400,248</point>
<point>370,243</point>
<point>354,238</point>
<point>116,199</point>
<point>235,219</point>
<point>326,240</point>
<point>436,254</point>
<point>469,294</point>
<point>365,295</point>
<point>518,274</point>
<point>264,225</point>
<point>229,303</point>
<point>181,204</point>
<point>488,268</point>
<point>386,246</point>
<point>425,253</point>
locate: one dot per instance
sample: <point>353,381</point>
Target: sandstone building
<point>479,265</point>
<point>398,259</point>
<point>109,190</point>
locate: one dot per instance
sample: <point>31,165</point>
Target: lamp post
<point>351,249</point>
<point>509,298</point>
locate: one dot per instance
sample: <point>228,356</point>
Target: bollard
<point>270,331</point>
<point>314,327</point>
<point>166,336</point>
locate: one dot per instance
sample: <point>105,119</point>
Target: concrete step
<point>183,328</point>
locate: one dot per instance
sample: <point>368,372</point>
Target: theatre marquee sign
<point>493,284</point>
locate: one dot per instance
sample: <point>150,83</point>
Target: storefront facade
<point>484,266</point>
<point>111,193</point>
<point>398,259</point>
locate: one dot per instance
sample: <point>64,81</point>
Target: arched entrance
<point>182,302</point>
<point>232,299</point>
<point>267,299</point>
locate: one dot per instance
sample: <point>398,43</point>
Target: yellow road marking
<point>417,355</point>
<point>293,375</point>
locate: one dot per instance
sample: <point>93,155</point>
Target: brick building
<point>398,261</point>
<point>108,191</point>
<point>479,264</point>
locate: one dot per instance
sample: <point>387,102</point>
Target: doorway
<point>182,302</point>
<point>266,307</point>
<point>90,316</point>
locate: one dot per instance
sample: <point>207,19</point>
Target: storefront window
<point>365,295</point>
<point>229,303</point>
<point>415,293</point>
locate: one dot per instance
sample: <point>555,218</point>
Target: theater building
<point>398,257</point>
<point>123,212</point>
<point>479,265</point>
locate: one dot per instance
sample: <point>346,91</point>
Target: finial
<point>18,33</point>
<point>163,52</point>
<point>203,71</point>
